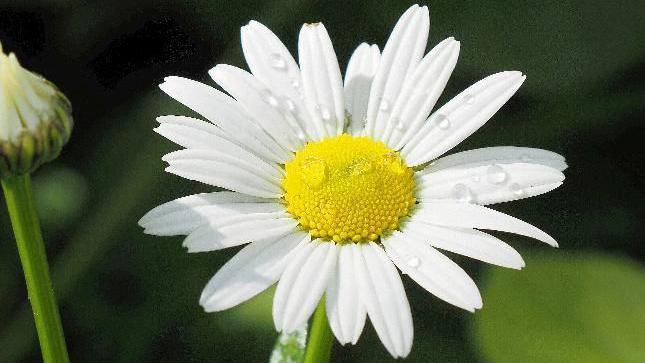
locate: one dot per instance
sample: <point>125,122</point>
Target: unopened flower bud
<point>35,118</point>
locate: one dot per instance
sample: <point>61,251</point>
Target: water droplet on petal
<point>443,122</point>
<point>399,125</point>
<point>477,178</point>
<point>324,112</point>
<point>278,62</point>
<point>469,99</point>
<point>462,193</point>
<point>516,189</point>
<point>496,174</point>
<point>384,106</point>
<point>314,172</point>
<point>414,262</point>
<point>289,104</point>
<point>269,98</point>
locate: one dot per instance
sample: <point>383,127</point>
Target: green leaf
<point>564,308</point>
<point>290,348</point>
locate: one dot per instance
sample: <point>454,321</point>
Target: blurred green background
<point>127,297</point>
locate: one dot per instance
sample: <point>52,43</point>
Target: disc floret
<point>348,189</point>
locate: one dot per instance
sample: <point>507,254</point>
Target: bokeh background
<point>127,297</point>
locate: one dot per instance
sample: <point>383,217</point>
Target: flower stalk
<point>31,247</point>
<point>321,338</point>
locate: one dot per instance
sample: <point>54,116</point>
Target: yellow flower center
<point>348,188</point>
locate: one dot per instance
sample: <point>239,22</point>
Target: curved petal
<point>488,183</point>
<point>461,116</point>
<point>252,270</point>
<point>322,82</point>
<point>226,113</point>
<point>188,132</point>
<point>272,64</point>
<point>345,311</point>
<point>467,242</point>
<point>239,229</point>
<point>184,215</point>
<point>421,92</point>
<point>466,215</point>
<point>199,135</point>
<point>260,103</point>
<point>358,80</point>
<point>382,293</point>
<point>226,171</point>
<point>302,284</point>
<point>499,155</point>
<point>433,271</point>
<point>401,53</point>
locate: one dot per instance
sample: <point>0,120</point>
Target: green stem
<point>24,220</point>
<point>320,337</point>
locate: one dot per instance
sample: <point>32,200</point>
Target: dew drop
<point>399,125</point>
<point>393,162</point>
<point>314,172</point>
<point>360,167</point>
<point>496,174</point>
<point>295,83</point>
<point>324,112</point>
<point>384,106</point>
<point>516,189</point>
<point>476,178</point>
<point>269,98</point>
<point>462,193</point>
<point>289,104</point>
<point>414,262</point>
<point>278,62</point>
<point>443,122</point>
<point>469,99</point>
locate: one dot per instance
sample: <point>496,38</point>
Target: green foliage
<point>564,308</point>
<point>290,348</point>
<point>127,297</point>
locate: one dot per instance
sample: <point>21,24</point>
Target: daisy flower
<point>335,183</point>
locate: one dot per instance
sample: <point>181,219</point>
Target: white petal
<point>188,132</point>
<point>226,113</point>
<point>184,215</point>
<point>302,284</point>
<point>272,64</point>
<point>226,171</point>
<point>384,298</point>
<point>259,102</point>
<point>433,271</point>
<point>401,53</point>
<point>420,93</point>
<point>220,149</point>
<point>198,135</point>
<point>358,80</point>
<point>488,183</point>
<point>468,242</point>
<point>345,311</point>
<point>198,200</point>
<point>466,215</point>
<point>252,270</point>
<point>239,229</point>
<point>499,155</point>
<point>322,82</point>
<point>461,116</point>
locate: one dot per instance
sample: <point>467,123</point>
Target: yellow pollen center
<point>348,188</point>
